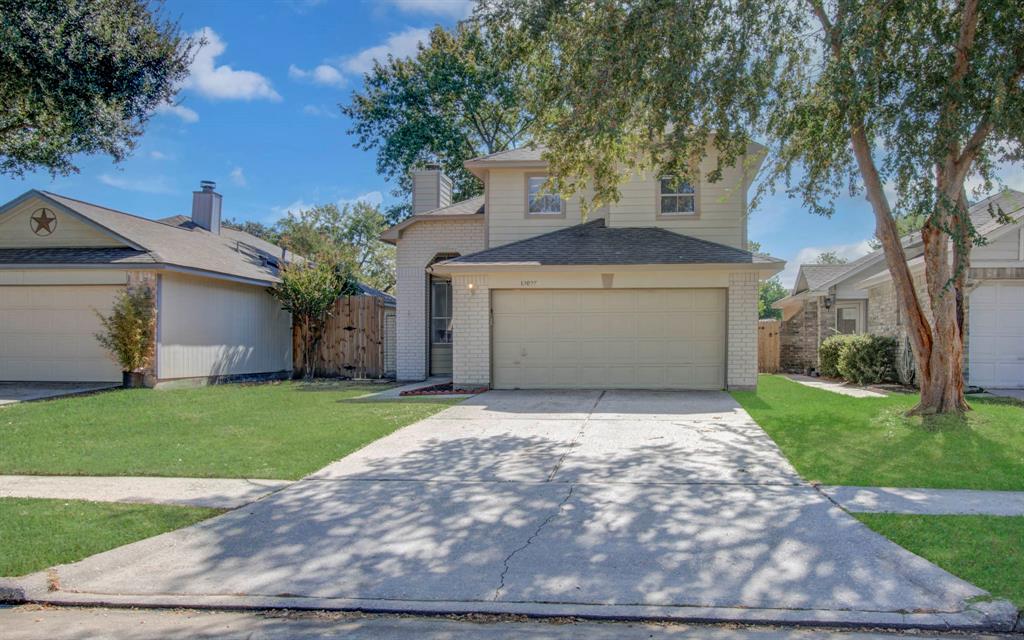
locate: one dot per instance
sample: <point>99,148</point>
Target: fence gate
<point>768,345</point>
<point>353,341</point>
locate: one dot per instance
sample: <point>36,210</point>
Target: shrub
<point>129,331</point>
<point>866,359</point>
<point>829,352</point>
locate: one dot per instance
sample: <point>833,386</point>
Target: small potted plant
<point>129,331</point>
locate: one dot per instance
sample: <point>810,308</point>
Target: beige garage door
<point>609,338</point>
<point>46,334</point>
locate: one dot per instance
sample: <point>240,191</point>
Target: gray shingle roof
<point>818,274</point>
<point>523,154</point>
<point>103,255</point>
<point>232,253</point>
<point>367,290</point>
<point>594,243</point>
<point>467,207</point>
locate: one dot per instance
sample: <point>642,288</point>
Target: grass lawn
<point>836,439</point>
<point>36,534</point>
<point>277,430</point>
<point>987,551</point>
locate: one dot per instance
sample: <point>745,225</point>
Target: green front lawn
<point>836,439</point>
<point>987,551</point>
<point>36,534</point>
<point>277,430</point>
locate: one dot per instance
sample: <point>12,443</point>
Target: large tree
<point>850,95</point>
<point>82,76</point>
<point>348,235</point>
<point>459,97</point>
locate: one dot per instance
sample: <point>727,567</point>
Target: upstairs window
<point>676,197</point>
<point>538,201</point>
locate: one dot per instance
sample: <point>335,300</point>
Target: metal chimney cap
<point>207,185</point>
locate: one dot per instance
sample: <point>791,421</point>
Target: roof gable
<point>67,229</point>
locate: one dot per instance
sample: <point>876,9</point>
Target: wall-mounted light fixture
<point>471,287</point>
<point>829,301</point>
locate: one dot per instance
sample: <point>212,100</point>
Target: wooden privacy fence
<point>768,345</point>
<point>353,341</point>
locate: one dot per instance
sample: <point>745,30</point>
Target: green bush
<point>866,359</point>
<point>829,352</point>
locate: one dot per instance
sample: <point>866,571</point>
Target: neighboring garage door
<point>996,341</point>
<point>47,334</point>
<point>609,338</point>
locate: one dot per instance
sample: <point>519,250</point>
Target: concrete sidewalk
<point>195,492</point>
<point>36,623</point>
<point>15,392</point>
<point>931,502</point>
<point>835,386</point>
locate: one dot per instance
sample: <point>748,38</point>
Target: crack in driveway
<point>508,559</point>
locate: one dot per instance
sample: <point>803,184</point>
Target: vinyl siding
<point>1005,248</point>
<point>212,328</point>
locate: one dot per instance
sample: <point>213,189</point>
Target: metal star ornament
<point>43,222</point>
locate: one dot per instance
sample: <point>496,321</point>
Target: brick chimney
<point>206,206</point>
<point>431,189</point>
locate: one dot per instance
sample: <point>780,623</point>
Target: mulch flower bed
<point>444,389</point>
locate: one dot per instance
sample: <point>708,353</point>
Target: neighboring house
<point>62,259</point>
<point>513,289</point>
<point>859,297</point>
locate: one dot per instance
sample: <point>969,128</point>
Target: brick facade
<point>471,357</point>
<point>741,360</point>
<point>416,248</point>
<point>800,336</point>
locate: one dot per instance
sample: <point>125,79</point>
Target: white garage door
<point>609,338</point>
<point>996,341</point>
<point>46,334</point>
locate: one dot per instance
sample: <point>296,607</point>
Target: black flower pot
<point>133,379</point>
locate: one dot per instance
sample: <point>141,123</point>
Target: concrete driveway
<point>15,392</point>
<point>606,504</point>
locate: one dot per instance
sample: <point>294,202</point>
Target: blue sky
<point>259,116</point>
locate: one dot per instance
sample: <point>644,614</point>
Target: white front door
<point>996,335</point>
<point>609,338</point>
<point>47,334</point>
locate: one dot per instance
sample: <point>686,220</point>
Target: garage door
<point>46,334</point>
<point>609,338</point>
<point>996,342</point>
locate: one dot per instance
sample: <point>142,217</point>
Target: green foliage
<point>768,292</point>
<point>830,351</point>
<point>868,359</point>
<point>348,236</point>
<point>129,331</point>
<point>830,257</point>
<point>308,290</point>
<point>270,233</point>
<point>859,358</point>
<point>459,97</point>
<point>82,77</point>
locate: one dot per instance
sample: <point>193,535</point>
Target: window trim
<point>526,197</point>
<point>659,215</point>
<point>860,307</point>
<point>433,316</point>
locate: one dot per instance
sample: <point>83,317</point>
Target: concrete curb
<point>991,615</point>
<point>930,502</point>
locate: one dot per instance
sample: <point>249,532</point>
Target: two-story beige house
<point>515,289</point>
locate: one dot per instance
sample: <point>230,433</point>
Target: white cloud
<point>457,9</point>
<point>808,255</point>
<point>159,155</point>
<point>186,114</point>
<point>237,177</point>
<point>156,184</point>
<point>318,111</point>
<point>222,82</point>
<point>323,74</point>
<point>373,198</point>
<point>1010,174</point>
<point>399,45</point>
<point>294,207</point>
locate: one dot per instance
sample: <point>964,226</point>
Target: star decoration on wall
<point>43,222</point>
